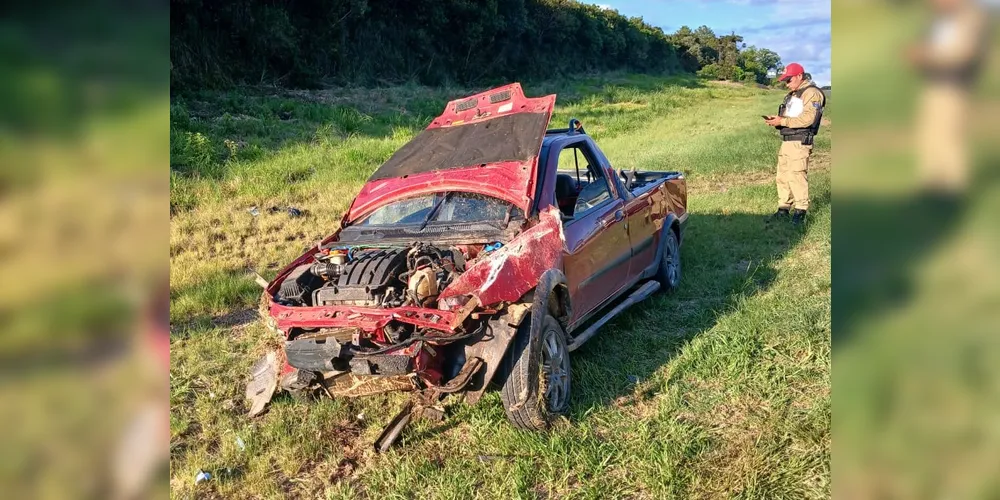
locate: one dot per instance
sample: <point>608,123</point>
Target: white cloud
<point>803,9</point>
<point>807,43</point>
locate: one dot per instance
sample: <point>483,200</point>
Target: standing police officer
<point>798,121</point>
<point>950,59</point>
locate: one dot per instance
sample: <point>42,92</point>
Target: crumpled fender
<point>552,281</point>
<point>514,270</point>
<point>665,227</point>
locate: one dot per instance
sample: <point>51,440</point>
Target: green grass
<point>732,395</point>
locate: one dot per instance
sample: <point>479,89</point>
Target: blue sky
<point>798,30</point>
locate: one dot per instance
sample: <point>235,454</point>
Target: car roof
<point>553,135</point>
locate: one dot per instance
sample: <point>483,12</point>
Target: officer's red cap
<point>791,70</point>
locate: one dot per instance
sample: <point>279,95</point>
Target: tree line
<point>725,57</point>
<point>302,43</point>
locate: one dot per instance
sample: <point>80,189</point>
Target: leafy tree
<point>308,42</point>
<point>725,57</point>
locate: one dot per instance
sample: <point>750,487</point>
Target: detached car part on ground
<point>482,251</point>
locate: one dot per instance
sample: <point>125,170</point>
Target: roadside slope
<point>721,389</point>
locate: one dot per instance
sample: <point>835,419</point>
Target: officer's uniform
<point>801,114</point>
<point>954,54</point>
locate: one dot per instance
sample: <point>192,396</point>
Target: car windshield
<point>454,207</point>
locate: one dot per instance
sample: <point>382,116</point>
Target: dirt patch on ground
<point>721,183</point>
<point>236,319</point>
<point>314,477</point>
<point>236,322</point>
<point>346,435</point>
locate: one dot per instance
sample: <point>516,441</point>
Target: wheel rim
<point>555,369</point>
<point>670,262</point>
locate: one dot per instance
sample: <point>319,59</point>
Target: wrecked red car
<point>484,250</point>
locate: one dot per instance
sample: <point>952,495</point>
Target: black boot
<point>779,216</point>
<point>798,217</point>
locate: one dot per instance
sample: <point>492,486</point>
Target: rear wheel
<point>535,407</point>
<point>669,273</point>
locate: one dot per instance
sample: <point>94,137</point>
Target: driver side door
<point>598,250</point>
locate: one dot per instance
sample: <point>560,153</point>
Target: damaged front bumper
<point>348,350</point>
<point>361,340</point>
<point>459,351</point>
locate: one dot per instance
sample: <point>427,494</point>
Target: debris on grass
<point>202,476</point>
<point>292,211</point>
<point>253,211</point>
<point>263,382</point>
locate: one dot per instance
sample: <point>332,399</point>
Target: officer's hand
<point>773,121</point>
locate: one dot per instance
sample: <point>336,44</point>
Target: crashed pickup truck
<point>483,251</point>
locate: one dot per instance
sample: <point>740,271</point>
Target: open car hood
<point>487,143</point>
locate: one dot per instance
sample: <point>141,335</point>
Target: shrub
<point>191,153</point>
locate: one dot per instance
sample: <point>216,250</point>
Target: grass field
<point>720,390</point>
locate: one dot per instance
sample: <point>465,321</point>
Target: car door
<point>642,229</point>
<point>598,251</point>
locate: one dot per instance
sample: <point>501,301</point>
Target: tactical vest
<point>964,74</point>
<point>804,134</point>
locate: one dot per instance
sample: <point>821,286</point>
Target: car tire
<point>669,272</point>
<point>535,408</point>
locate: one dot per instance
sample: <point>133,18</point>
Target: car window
<point>453,207</point>
<point>585,185</point>
<point>593,193</point>
<point>471,207</point>
<point>592,186</point>
<point>570,157</point>
<point>413,210</point>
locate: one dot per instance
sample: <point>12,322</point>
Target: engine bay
<point>378,276</point>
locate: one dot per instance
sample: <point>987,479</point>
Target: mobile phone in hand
<point>765,117</point>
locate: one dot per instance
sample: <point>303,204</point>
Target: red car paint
<point>366,318</point>
<point>510,181</point>
<point>611,248</point>
<point>513,270</point>
<point>602,253</point>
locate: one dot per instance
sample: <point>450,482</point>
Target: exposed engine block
<point>364,280</point>
<point>372,276</point>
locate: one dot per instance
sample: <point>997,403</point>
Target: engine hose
<point>423,338</point>
<point>405,277</point>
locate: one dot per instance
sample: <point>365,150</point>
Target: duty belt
<point>806,137</point>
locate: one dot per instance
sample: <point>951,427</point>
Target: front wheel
<point>535,407</point>
<point>669,273</point>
